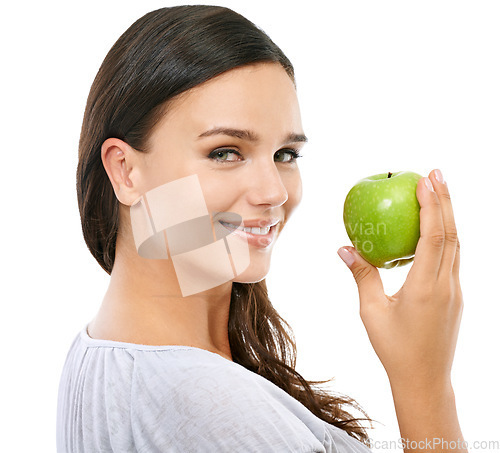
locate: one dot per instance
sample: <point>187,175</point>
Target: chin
<point>249,280</point>
<point>254,273</point>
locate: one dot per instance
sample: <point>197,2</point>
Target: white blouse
<point>123,397</point>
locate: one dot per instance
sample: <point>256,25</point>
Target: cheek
<point>217,191</point>
<point>294,189</point>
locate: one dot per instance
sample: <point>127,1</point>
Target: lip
<point>256,240</point>
<point>256,223</point>
<point>236,219</point>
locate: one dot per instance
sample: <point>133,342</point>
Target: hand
<point>414,332</point>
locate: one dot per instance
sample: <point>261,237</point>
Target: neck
<point>144,305</point>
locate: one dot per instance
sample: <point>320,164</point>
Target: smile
<point>257,237</point>
<point>254,230</point>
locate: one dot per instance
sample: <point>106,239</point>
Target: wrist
<point>424,399</point>
<point>435,386</point>
<point>427,411</point>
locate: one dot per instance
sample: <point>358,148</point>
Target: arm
<point>428,419</point>
<point>414,332</point>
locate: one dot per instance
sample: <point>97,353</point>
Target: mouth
<point>253,230</point>
<point>258,237</point>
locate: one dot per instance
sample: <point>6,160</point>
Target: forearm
<point>427,418</point>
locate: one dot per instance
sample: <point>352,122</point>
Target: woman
<point>190,137</point>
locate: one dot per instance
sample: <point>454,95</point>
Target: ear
<point>121,164</point>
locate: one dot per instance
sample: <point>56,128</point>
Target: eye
<point>293,155</point>
<point>218,155</point>
<point>283,155</point>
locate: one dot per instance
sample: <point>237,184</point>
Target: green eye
<point>283,155</point>
<point>294,155</point>
<point>218,155</point>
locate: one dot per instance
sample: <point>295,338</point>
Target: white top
<point>123,397</point>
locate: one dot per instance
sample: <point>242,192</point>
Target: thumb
<point>367,277</point>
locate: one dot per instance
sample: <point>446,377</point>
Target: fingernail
<point>439,176</point>
<point>428,184</point>
<point>346,255</point>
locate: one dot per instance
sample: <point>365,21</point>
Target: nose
<point>266,185</point>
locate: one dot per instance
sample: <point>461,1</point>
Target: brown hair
<point>165,53</point>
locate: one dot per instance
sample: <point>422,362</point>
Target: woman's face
<point>238,133</point>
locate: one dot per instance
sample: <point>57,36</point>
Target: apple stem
<point>389,174</point>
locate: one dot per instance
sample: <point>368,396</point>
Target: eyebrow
<point>250,136</point>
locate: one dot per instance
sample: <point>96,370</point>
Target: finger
<point>367,277</point>
<point>450,230</point>
<point>456,262</point>
<point>430,245</point>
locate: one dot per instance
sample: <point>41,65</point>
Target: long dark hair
<point>164,53</point>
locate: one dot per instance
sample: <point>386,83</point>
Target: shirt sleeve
<point>209,406</point>
<point>337,439</point>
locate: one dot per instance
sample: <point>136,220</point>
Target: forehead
<point>260,97</point>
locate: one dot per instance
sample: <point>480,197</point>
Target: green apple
<point>382,218</point>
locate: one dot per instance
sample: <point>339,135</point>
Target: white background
<point>383,86</point>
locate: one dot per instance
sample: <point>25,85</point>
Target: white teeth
<point>257,230</point>
<point>254,230</point>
